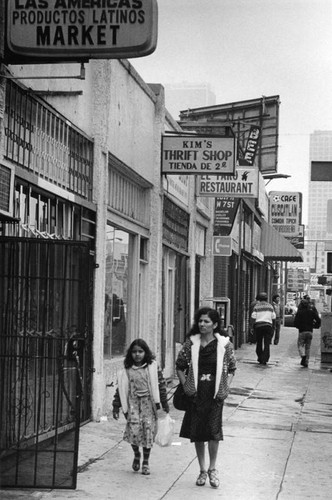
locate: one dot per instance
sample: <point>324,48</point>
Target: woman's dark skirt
<point>203,421</point>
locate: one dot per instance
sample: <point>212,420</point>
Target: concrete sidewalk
<point>277,441</point>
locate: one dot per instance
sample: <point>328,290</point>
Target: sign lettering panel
<point>286,212</point>
<point>244,184</point>
<point>198,155</point>
<point>60,29</point>
<point>222,246</point>
<point>224,215</point>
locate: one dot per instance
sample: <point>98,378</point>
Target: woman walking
<point>204,366</point>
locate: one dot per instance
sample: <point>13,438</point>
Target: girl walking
<point>140,392</point>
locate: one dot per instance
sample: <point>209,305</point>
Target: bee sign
<point>58,30</point>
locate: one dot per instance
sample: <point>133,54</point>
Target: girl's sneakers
<point>145,469</point>
<point>137,463</point>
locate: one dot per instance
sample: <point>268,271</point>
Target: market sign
<point>198,155</point>
<point>244,184</point>
<point>286,212</point>
<point>59,30</point>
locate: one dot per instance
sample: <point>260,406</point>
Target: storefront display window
<point>116,292</point>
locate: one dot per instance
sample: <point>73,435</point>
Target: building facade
<point>83,161</point>
<point>318,242</point>
<point>320,191</point>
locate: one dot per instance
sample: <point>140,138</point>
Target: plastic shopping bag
<point>165,431</point>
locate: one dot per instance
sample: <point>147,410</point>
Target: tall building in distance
<point>318,246</point>
<point>181,96</point>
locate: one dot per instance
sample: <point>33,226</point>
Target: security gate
<point>45,337</point>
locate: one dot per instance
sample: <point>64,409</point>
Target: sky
<point>245,49</point>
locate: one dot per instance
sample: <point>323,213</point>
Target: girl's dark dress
<point>203,421</point>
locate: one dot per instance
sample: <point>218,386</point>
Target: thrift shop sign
<point>197,155</point>
<point>77,29</point>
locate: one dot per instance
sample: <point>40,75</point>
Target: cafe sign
<point>198,155</point>
<point>286,212</point>
<point>59,30</point>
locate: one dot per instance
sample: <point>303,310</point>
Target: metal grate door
<point>45,325</point>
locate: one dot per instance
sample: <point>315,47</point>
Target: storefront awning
<point>275,247</point>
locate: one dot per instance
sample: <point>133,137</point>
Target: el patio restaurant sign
<point>69,29</point>
<point>198,155</point>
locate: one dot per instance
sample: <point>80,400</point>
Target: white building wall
<point>125,117</point>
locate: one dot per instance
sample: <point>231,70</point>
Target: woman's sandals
<point>201,480</point>
<point>213,477</point>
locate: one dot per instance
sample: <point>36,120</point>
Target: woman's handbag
<point>165,431</point>
<point>180,400</point>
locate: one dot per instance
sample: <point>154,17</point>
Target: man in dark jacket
<point>306,319</point>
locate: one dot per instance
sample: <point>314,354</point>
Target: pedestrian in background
<point>311,301</point>
<point>205,366</point>
<point>277,324</point>
<point>306,319</point>
<point>141,389</point>
<point>252,336</point>
<point>264,318</point>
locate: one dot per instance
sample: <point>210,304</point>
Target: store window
<point>44,216</point>
<point>118,246</point>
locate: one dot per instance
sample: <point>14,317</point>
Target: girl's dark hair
<point>213,315</point>
<point>148,358</point>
